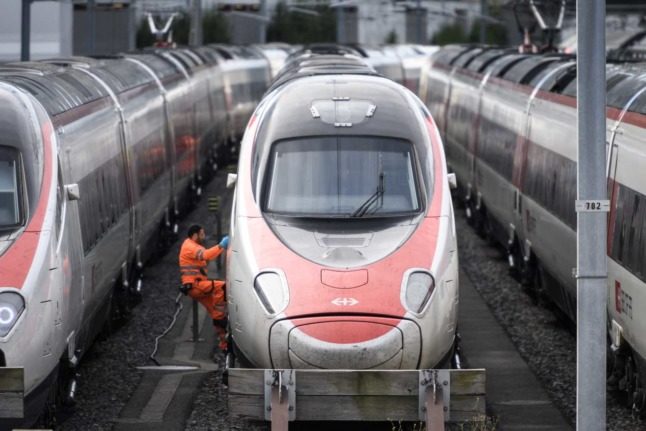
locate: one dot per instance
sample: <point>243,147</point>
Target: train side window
<point>627,207</point>
<point>636,223</point>
<point>619,215</point>
<point>641,253</point>
<point>11,189</point>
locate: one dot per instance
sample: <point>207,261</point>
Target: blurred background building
<point>101,27</point>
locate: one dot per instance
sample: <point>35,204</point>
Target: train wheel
<point>469,212</point>
<point>534,282</point>
<point>135,284</point>
<point>637,395</point>
<point>514,259</point>
<point>59,404</point>
<point>628,383</point>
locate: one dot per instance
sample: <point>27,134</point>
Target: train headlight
<point>11,307</point>
<point>418,287</point>
<point>271,289</point>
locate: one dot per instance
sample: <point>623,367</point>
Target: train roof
<point>232,52</point>
<point>556,72</point>
<point>340,105</point>
<point>326,49</point>
<point>321,65</point>
<point>57,88</point>
<point>118,73</point>
<point>162,66</point>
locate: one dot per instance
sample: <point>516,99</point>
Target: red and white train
<point>343,249</point>
<point>97,157</point>
<point>509,126</point>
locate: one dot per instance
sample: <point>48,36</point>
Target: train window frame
<point>18,188</point>
<point>419,191</point>
<point>635,231</point>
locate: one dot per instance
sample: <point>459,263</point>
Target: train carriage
<point>96,157</point>
<point>342,229</point>
<point>538,210</point>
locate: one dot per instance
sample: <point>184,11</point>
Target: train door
<point>69,257</point>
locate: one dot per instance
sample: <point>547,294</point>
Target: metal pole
<point>483,23</point>
<point>196,324</point>
<point>591,226</point>
<point>91,27</point>
<point>196,23</point>
<point>25,30</point>
<point>418,22</point>
<point>263,23</point>
<point>340,24</point>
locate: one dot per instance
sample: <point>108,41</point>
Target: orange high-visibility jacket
<point>193,258</point>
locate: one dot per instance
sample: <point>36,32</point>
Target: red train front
<point>343,240</point>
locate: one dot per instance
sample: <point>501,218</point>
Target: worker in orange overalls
<point>193,258</point>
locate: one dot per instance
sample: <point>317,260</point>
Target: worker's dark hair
<point>196,228</point>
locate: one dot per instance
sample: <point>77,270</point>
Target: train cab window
<point>11,212</point>
<point>343,177</point>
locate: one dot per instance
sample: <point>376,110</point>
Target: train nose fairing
<point>346,342</point>
<point>345,201</point>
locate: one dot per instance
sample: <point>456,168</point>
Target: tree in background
<point>144,37</point>
<point>495,34</point>
<point>215,27</point>
<point>391,39</point>
<point>450,33</point>
<point>297,27</point>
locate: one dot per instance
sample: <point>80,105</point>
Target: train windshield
<point>10,211</point>
<point>342,177</point>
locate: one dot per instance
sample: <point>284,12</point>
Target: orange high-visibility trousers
<point>210,293</point>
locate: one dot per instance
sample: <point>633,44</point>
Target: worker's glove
<point>224,243</point>
<point>184,288</point>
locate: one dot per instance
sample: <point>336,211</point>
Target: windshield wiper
<point>377,196</point>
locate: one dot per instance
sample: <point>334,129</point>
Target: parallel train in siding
<point>509,126</point>
<point>343,248</point>
<point>96,156</point>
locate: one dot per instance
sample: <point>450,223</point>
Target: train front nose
<point>345,342</point>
